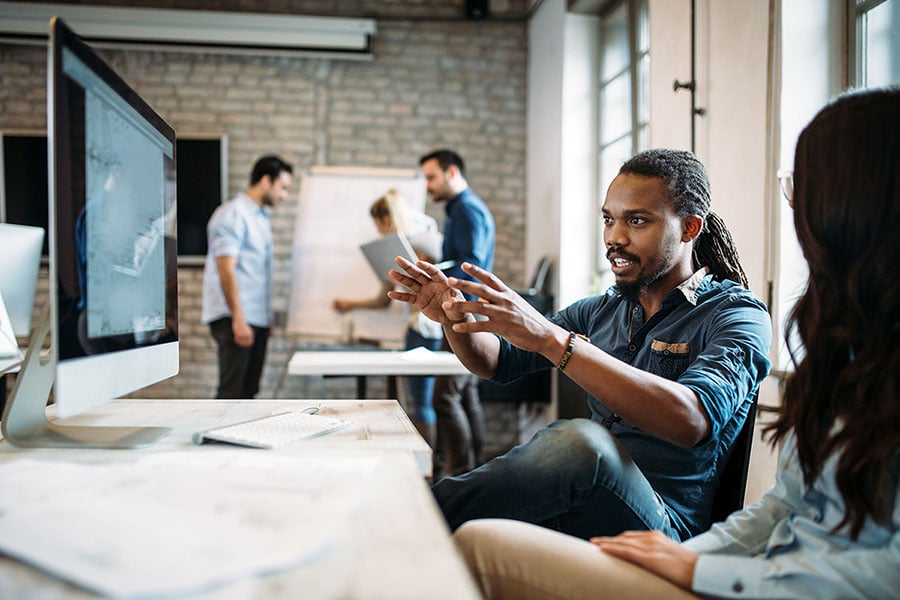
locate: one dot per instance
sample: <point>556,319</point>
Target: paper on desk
<point>418,354</point>
<point>156,529</point>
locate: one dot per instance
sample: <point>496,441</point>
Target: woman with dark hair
<point>830,526</point>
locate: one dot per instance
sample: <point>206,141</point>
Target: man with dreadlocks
<point>670,356</point>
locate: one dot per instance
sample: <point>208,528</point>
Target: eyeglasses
<point>786,181</point>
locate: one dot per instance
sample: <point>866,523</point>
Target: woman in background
<point>391,216</point>
<point>830,526</point>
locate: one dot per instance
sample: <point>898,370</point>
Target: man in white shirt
<point>237,278</point>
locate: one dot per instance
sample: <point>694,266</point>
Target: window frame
<point>637,16</point>
<point>847,69</point>
<point>856,38</point>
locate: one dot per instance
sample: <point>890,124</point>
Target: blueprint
<point>178,523</point>
<point>125,224</point>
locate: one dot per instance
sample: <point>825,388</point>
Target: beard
<point>657,268</point>
<point>443,193</point>
<point>632,290</point>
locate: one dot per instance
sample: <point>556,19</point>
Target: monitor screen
<point>113,252</point>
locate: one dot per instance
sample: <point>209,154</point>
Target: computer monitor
<point>20,247</point>
<point>113,255</point>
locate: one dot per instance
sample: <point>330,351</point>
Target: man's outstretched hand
<point>503,311</point>
<point>428,289</point>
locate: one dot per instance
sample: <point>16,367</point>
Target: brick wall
<point>437,80</point>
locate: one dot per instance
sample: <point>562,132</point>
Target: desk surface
<point>419,361</point>
<point>394,544</point>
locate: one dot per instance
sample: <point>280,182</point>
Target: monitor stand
<point>25,420</point>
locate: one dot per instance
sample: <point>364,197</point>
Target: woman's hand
<point>653,551</point>
<point>342,305</point>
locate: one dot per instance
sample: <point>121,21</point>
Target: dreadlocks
<point>715,246</point>
<point>689,189</point>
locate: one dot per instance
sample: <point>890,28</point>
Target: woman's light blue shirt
<point>783,546</point>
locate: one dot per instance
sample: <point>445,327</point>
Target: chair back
<point>539,280</point>
<point>733,483</point>
<point>536,295</point>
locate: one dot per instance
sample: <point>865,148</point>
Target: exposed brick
<point>437,79</point>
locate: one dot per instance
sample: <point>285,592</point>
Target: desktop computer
<point>113,311</point>
<point>20,247</point>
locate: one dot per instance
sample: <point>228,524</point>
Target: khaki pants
<point>511,559</point>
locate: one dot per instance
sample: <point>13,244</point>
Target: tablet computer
<point>381,253</point>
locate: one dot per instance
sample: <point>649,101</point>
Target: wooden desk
<point>365,363</point>
<point>395,545</point>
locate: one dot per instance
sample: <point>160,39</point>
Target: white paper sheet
<point>326,262</point>
<point>176,523</point>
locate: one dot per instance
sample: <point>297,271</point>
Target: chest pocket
<point>669,360</point>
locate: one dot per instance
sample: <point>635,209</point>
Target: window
<point>874,35</point>
<point>624,100</point>
<point>816,66</point>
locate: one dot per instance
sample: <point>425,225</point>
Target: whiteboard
<point>326,262</point>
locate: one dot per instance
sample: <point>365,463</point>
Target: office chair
<point>540,275</point>
<point>535,293</point>
<point>733,483</point>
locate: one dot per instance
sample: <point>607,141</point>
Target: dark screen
<point>199,191</point>
<point>199,186</point>
<point>25,185</point>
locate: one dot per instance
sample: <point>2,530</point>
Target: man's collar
<point>689,286</point>
<point>454,199</point>
<point>246,198</point>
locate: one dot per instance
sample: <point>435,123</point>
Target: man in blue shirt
<point>237,278</point>
<point>671,357</point>
<point>468,237</point>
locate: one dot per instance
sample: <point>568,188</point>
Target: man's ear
<point>691,227</point>
<point>265,181</point>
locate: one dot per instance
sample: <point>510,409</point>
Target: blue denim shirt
<point>469,233</point>
<point>712,337</point>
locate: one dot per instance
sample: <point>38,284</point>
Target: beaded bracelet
<point>570,349</point>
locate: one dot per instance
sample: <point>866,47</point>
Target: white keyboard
<point>274,430</point>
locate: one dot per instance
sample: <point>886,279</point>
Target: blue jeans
<point>573,476</point>
<point>421,388</point>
